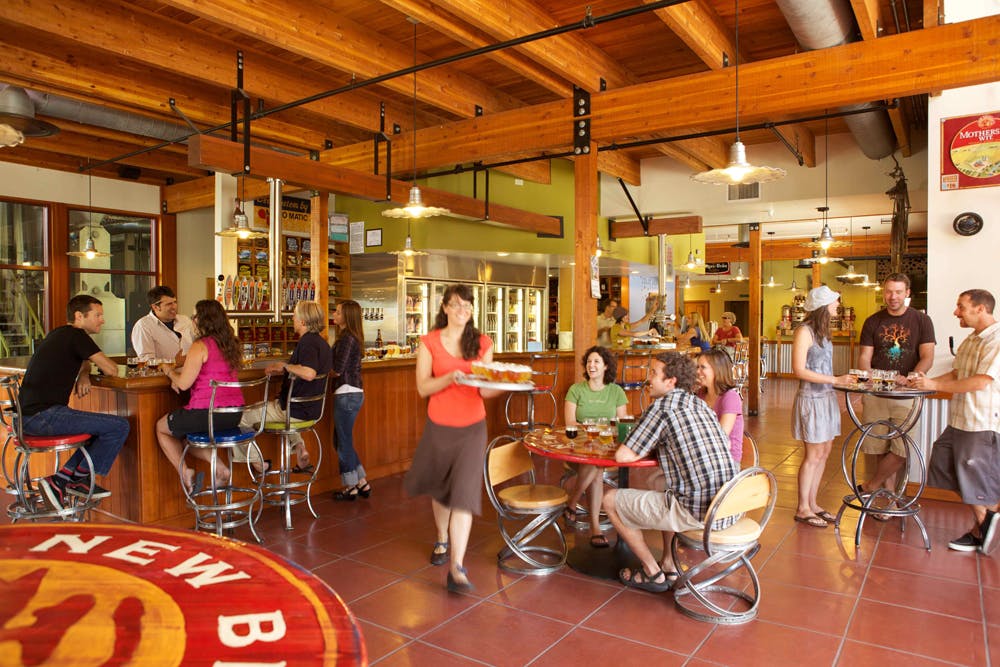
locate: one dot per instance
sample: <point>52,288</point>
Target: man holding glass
<point>900,340</point>
<point>162,333</point>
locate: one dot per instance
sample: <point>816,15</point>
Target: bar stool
<point>29,503</point>
<point>544,377</point>
<point>741,366</point>
<point>283,486</point>
<point>634,376</point>
<point>223,507</point>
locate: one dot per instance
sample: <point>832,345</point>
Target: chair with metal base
<point>227,506</point>
<point>697,591</point>
<point>544,376</point>
<point>634,376</point>
<point>284,486</point>
<point>28,503</point>
<point>751,453</point>
<point>508,465</point>
<point>741,366</point>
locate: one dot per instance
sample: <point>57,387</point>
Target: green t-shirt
<point>592,404</point>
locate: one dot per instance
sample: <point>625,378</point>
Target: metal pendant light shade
<point>17,118</point>
<point>240,226</point>
<point>89,249</point>
<point>739,170</point>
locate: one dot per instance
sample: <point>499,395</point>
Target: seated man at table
<point>61,363</point>
<point>162,333</point>
<point>693,452</point>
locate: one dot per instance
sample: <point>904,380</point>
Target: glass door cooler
<point>514,320</point>
<point>416,306</point>
<point>494,316</point>
<point>533,316</point>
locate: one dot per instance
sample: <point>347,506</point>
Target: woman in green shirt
<point>597,397</point>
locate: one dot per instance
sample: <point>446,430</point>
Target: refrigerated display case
<point>533,318</point>
<point>416,305</point>
<point>513,338</point>
<point>493,316</point>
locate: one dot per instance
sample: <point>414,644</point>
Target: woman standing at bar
<point>214,355</point>
<point>348,396</point>
<point>448,464</point>
<point>815,412</point>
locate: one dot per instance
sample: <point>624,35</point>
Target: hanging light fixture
<point>825,240</point>
<point>598,251</point>
<point>89,249</point>
<point>770,281</point>
<point>407,250</point>
<point>239,227</point>
<point>415,207</point>
<point>739,170</point>
<point>851,274</point>
<point>867,282</point>
<point>687,282</point>
<point>793,287</point>
<point>17,118</point>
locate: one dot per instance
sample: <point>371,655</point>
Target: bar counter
<point>145,488</point>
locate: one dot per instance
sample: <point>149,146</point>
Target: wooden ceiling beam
<point>28,155</point>
<point>699,27</point>
<point>947,56</point>
<point>472,37</point>
<point>866,13</point>
<point>226,156</point>
<point>625,229</point>
<point>335,41</point>
<point>194,54</point>
<point>620,164</point>
<point>99,148</point>
<point>569,55</point>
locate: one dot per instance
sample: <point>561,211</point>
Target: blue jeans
<point>345,412</point>
<point>108,431</point>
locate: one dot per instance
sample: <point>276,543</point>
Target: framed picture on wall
<point>373,238</point>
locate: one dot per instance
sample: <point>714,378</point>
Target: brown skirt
<point>448,466</point>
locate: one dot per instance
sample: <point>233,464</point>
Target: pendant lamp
<point>239,227</point>
<point>770,281</point>
<point>89,249</point>
<point>739,170</point>
<point>825,240</point>
<point>415,207</point>
<point>407,250</point>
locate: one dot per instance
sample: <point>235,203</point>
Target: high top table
<point>553,444</point>
<point>898,504</point>
<point>107,594</point>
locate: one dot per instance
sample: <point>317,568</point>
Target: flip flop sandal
<point>826,516</point>
<point>599,542</point>
<point>638,578</point>
<point>305,470</point>
<point>812,520</point>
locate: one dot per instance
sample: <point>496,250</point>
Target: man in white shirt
<point>605,321</point>
<point>162,333</point>
<point>965,457</point>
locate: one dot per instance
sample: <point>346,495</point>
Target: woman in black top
<point>348,396</point>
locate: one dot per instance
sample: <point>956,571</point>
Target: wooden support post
<point>754,324</point>
<point>319,239</point>
<point>585,237</point>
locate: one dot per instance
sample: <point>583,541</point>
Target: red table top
<point>554,444</point>
<point>123,594</point>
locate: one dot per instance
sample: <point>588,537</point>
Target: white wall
<point>26,182</point>
<point>956,263</point>
<point>196,248</point>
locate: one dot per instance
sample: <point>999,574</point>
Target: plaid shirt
<point>691,446</point>
<point>979,354</point>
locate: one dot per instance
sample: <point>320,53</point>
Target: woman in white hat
<point>815,412</point>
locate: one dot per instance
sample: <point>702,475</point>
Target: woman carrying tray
<point>448,463</point>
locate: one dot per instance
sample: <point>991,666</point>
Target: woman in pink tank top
<point>215,355</point>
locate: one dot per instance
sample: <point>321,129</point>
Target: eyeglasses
<point>460,305</point>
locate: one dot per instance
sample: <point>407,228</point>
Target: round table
<point>898,504</point>
<point>553,444</point>
<point>93,594</point>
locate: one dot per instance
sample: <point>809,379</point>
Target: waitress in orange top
<point>448,463</point>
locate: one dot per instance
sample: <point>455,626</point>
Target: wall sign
<point>970,151</point>
<point>716,268</point>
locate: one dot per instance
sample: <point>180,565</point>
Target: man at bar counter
<point>898,339</point>
<point>162,333</point>
<point>693,452</point>
<point>606,320</point>
<point>60,365</point>
<point>964,457</point>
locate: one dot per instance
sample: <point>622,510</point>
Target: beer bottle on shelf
<point>378,339</point>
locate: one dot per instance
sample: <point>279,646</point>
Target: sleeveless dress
<point>815,412</point>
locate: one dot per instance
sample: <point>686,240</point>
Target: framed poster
<point>373,238</point>
<point>970,151</point>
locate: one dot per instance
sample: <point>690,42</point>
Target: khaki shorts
<point>877,408</point>
<point>275,413</point>
<point>653,510</point>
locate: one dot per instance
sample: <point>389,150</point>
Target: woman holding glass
<point>214,355</point>
<point>597,397</point>
<point>448,463</point>
<point>815,412</point>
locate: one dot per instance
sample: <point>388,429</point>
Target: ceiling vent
<point>743,192</point>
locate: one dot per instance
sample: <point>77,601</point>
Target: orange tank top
<point>457,405</point>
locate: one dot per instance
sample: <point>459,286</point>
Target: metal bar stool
<point>29,503</point>
<point>634,376</point>
<point>223,507</point>
<point>544,377</point>
<point>283,486</point>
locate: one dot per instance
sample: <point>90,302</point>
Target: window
<point>24,277</point>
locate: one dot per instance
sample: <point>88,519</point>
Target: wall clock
<point>967,224</point>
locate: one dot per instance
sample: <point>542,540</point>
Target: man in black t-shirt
<point>898,339</point>
<point>60,365</point>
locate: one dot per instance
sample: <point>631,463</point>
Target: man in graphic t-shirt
<point>901,339</point>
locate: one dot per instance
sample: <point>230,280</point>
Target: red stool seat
<point>43,441</point>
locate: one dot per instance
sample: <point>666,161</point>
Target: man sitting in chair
<point>693,452</point>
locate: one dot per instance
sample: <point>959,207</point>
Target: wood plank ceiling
<point>136,56</point>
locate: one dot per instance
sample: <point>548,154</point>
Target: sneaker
<point>53,492</point>
<point>967,542</point>
<point>81,488</point>
<point>990,530</point>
